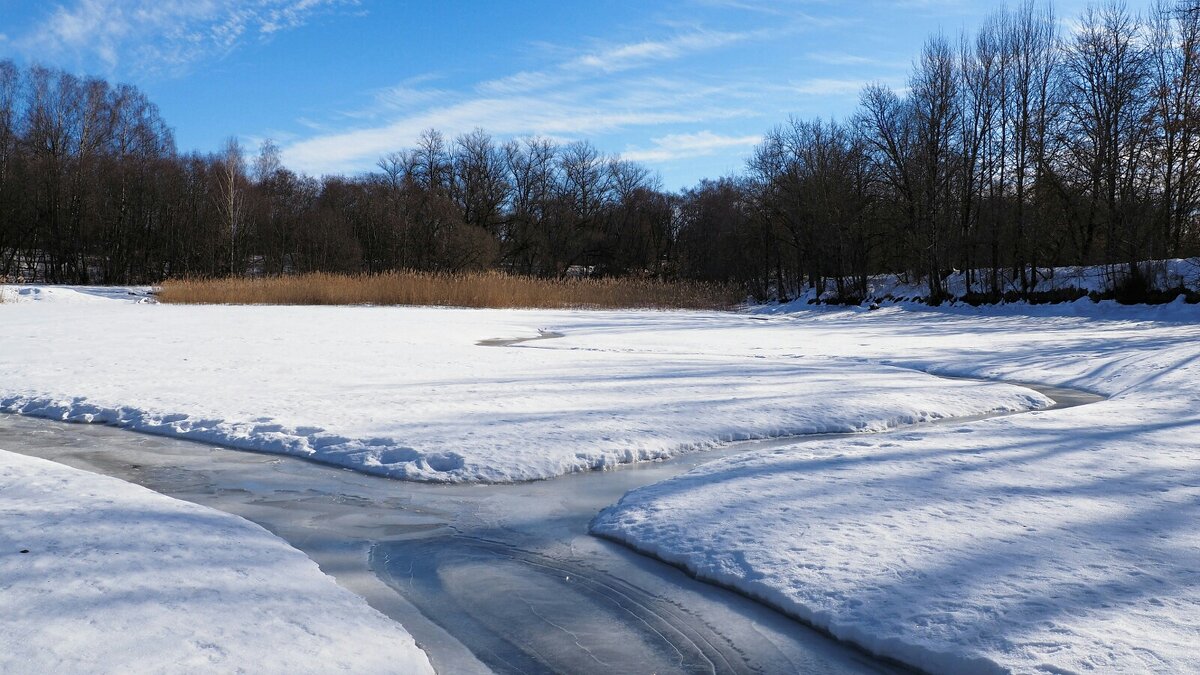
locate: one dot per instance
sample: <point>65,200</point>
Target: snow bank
<point>1162,275</point>
<point>98,575</point>
<point>75,294</point>
<point>1058,541</point>
<point>408,392</point>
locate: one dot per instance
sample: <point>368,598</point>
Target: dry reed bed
<point>477,289</point>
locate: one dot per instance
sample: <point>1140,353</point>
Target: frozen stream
<point>501,577</point>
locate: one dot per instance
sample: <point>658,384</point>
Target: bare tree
<point>10,83</point>
<point>268,162</point>
<point>1174,57</point>
<point>981,65</point>
<point>231,185</point>
<point>432,168</point>
<point>398,177</point>
<point>885,123</point>
<point>637,235</point>
<point>1032,56</point>
<point>531,164</point>
<point>1108,104</point>
<point>481,187</point>
<point>935,105</point>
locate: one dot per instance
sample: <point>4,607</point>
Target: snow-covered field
<point>408,393</point>
<point>1059,541</point>
<point>101,576</point>
<point>1063,540</point>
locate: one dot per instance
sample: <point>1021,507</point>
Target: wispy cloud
<point>685,146</point>
<point>847,59</point>
<point>771,7</point>
<point>599,90</point>
<point>626,56</point>
<point>571,112</point>
<point>615,58</point>
<point>821,86</point>
<point>152,35</point>
<point>939,5</point>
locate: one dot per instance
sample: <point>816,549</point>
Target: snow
<point>1049,541</point>
<point>1057,541</point>
<point>75,294</point>
<point>884,289</point>
<point>408,392</point>
<point>98,575</point>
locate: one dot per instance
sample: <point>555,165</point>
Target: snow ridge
<point>379,456</point>
<point>387,457</point>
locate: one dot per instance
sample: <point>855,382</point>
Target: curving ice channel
<point>485,577</point>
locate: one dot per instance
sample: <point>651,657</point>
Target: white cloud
<point>822,86</point>
<point>524,81</point>
<point>626,56</point>
<point>941,5</point>
<point>769,7</point>
<point>764,6</point>
<point>581,95</point>
<point>684,146</point>
<point>571,113</point>
<point>612,59</point>
<point>639,86</point>
<point>151,35</point>
<point>846,59</point>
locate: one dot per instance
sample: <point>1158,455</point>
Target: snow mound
<point>76,294</point>
<point>98,575</point>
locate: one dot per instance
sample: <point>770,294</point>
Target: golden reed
<point>469,289</point>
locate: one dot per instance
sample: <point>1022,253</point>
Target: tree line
<point>93,190</point>
<point>1013,149</point>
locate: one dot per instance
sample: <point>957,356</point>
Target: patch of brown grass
<point>475,289</point>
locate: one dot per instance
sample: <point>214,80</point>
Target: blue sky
<point>685,86</point>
